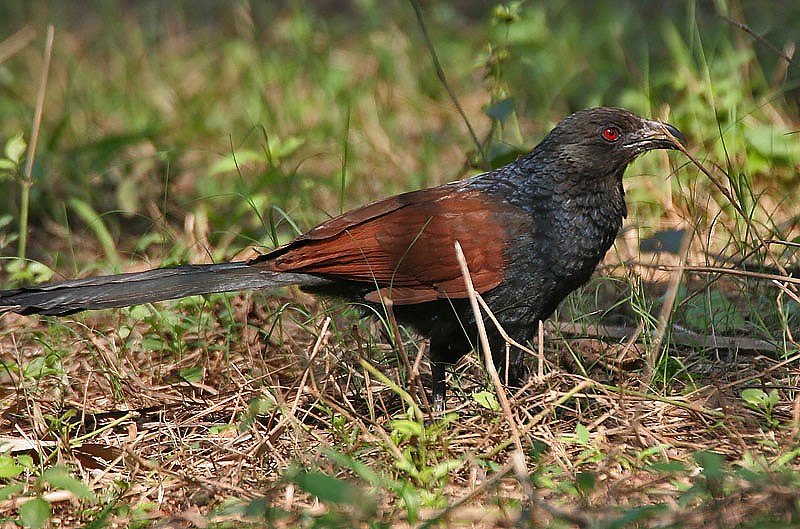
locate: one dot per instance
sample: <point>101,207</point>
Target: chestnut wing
<point>404,245</point>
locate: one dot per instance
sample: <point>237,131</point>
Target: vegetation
<point>664,392</point>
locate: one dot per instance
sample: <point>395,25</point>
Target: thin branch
<point>440,73</point>
<point>487,352</point>
<point>747,29</point>
<point>678,336</point>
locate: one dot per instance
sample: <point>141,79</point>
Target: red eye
<point>611,133</point>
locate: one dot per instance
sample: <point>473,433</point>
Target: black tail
<point>123,290</point>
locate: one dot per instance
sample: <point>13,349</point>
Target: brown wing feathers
<point>405,246</point>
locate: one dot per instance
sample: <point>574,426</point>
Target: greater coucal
<point>532,231</point>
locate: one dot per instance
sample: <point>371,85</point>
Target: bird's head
<point>601,142</point>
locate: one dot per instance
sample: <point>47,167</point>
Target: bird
<point>532,231</point>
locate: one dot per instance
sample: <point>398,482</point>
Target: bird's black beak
<point>656,135</point>
<point>674,132</point>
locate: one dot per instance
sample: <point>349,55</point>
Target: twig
<point>678,336</point>
<point>487,352</point>
<point>411,371</point>
<point>443,79</point>
<point>500,328</point>
<point>540,368</point>
<point>396,388</point>
<point>311,358</point>
<point>632,339</point>
<point>372,431</point>
<point>796,417</point>
<point>666,400</point>
<point>196,481</point>
<point>747,29</point>
<point>763,373</point>
<point>534,421</point>
<point>730,271</point>
<point>74,443</point>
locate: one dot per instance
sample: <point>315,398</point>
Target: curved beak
<point>656,135</point>
<point>674,132</point>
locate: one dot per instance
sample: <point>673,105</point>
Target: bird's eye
<point>611,134</point>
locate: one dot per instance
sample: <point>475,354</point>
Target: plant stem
<point>27,180</point>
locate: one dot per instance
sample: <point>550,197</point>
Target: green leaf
<point>9,467</point>
<point>59,478</point>
<point>714,310</point>
<point>653,450</point>
<point>192,374</point>
<point>487,399</point>
<point>539,449</point>
<point>11,490</point>
<point>258,508</point>
<point>129,193</point>
<point>404,465</point>
<point>408,428</point>
<point>363,471</point>
<point>326,488</point>
<point>411,500</point>
<point>233,161</point>
<point>771,142</point>
<point>711,463</point>
<point>631,516</point>
<point>787,457</point>
<point>7,168</point>
<point>220,429</point>
<point>668,467</point>
<point>260,406</point>
<point>501,109</point>
<point>754,397</point>
<point>582,436</point>
<point>38,368</point>
<point>773,398</point>
<point>285,147</point>
<point>34,513</point>
<point>585,482</point>
<point>445,468</point>
<point>15,148</point>
<point>25,271</point>
<point>26,461</point>
<point>96,224</point>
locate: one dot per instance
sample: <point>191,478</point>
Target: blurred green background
<point>254,120</point>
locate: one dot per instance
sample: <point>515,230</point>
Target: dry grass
<point>173,448</point>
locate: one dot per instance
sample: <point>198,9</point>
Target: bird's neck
<point>585,212</point>
<point>565,207</point>
<point>589,217</point>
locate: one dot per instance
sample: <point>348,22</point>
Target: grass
<point>173,133</point>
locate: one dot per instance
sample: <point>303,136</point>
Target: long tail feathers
<point>123,290</point>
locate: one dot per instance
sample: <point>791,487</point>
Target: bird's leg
<point>439,353</point>
<point>439,385</point>
<point>445,350</point>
